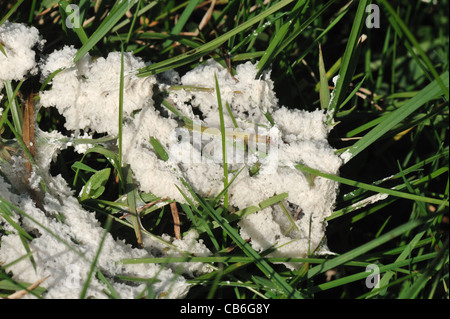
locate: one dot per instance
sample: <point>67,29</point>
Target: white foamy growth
<point>17,41</point>
<point>248,97</point>
<point>65,249</point>
<point>195,154</point>
<point>87,95</point>
<point>297,137</point>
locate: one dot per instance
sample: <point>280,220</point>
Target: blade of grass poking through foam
<point>349,59</point>
<point>276,199</point>
<point>112,292</point>
<point>203,225</point>
<point>11,101</point>
<point>16,112</point>
<point>97,255</point>
<point>77,25</point>
<point>324,89</point>
<point>130,189</point>
<point>43,227</point>
<point>49,78</point>
<point>197,53</point>
<point>121,105</point>
<point>374,188</point>
<point>25,149</point>
<point>162,154</point>
<point>3,50</point>
<point>399,25</point>
<point>262,264</point>
<point>117,12</point>
<point>230,113</point>
<point>430,92</point>
<point>95,185</point>
<point>224,143</point>
<point>175,111</point>
<point>109,155</point>
<point>8,216</point>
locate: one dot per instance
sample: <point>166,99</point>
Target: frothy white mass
<point>18,58</point>
<point>87,95</point>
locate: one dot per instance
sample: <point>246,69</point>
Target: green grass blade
<point>195,54</point>
<point>374,188</point>
<point>135,15</point>
<point>43,227</point>
<point>175,111</point>
<point>112,292</point>
<point>120,124</point>
<point>6,213</point>
<point>363,275</point>
<point>11,101</point>
<point>16,112</point>
<point>78,28</point>
<point>389,274</point>
<point>324,89</point>
<point>118,11</point>
<point>3,50</point>
<point>185,40</point>
<point>49,78</point>
<point>224,144</point>
<point>352,94</point>
<point>352,254</point>
<point>201,221</point>
<point>273,48</point>
<point>420,282</point>
<point>388,121</point>
<point>162,154</point>
<point>11,11</point>
<point>230,113</point>
<point>95,185</point>
<point>247,249</point>
<point>130,189</point>
<point>187,12</point>
<point>397,23</point>
<point>349,60</point>
<point>316,40</point>
<point>97,255</point>
<point>109,155</point>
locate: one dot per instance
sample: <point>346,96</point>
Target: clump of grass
<point>389,106</point>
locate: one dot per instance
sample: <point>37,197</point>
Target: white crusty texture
<point>249,97</point>
<point>17,41</point>
<point>297,137</point>
<point>87,94</point>
<point>65,250</point>
<point>191,243</point>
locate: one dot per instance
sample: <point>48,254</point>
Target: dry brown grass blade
<point>19,294</point>
<point>176,220</point>
<point>28,128</point>
<point>29,141</point>
<point>207,15</point>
